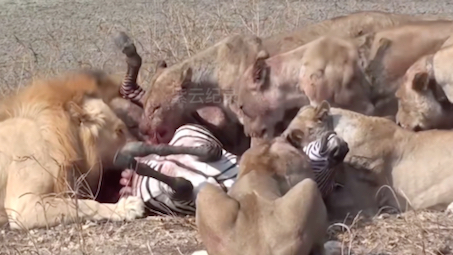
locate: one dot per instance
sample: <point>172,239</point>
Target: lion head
<point>421,101</point>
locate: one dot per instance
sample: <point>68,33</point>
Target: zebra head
<point>325,153</point>
<point>333,148</point>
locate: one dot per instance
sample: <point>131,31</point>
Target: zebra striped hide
<point>158,196</point>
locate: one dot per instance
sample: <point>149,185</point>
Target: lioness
<point>324,69</point>
<point>275,206</point>
<point>392,51</point>
<point>53,132</point>
<point>346,26</point>
<point>209,78</point>
<point>359,74</point>
<point>205,82</point>
<point>417,166</point>
<point>426,95</point>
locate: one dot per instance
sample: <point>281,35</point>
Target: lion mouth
<point>158,138</point>
<point>151,139</point>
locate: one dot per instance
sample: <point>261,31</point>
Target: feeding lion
<point>416,166</point>
<point>276,204</point>
<point>53,132</point>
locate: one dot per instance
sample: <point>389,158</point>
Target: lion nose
<point>262,132</point>
<point>417,128</point>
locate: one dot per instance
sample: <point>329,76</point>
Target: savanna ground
<point>46,37</point>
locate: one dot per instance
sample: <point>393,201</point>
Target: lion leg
<point>215,216</point>
<point>30,211</point>
<point>302,206</point>
<point>30,204</point>
<point>450,209</point>
<point>3,219</point>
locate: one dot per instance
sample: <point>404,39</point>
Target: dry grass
<point>423,232</point>
<point>408,233</point>
<point>46,37</point>
<point>152,235</point>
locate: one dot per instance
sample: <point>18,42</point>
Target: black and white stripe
<point>158,196</point>
<point>320,163</point>
<point>130,90</point>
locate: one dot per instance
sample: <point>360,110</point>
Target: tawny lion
<point>51,133</point>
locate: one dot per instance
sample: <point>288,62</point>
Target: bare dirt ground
<point>46,37</point>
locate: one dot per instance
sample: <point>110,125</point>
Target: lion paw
<point>200,252</point>
<point>449,209</point>
<point>131,208</point>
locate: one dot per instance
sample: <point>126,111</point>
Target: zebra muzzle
<point>340,151</point>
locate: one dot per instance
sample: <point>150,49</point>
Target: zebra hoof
<point>183,188</point>
<point>125,44</point>
<point>123,161</point>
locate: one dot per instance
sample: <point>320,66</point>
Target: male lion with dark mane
<point>52,132</point>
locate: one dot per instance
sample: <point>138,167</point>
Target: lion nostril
<point>417,128</point>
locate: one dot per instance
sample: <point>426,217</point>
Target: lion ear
<point>365,40</point>
<point>420,81</point>
<point>186,78</point>
<point>322,110</point>
<point>260,68</point>
<point>295,137</point>
<point>161,64</point>
<point>78,113</point>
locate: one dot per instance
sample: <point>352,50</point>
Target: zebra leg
<point>183,188</point>
<point>129,88</point>
<point>205,153</point>
<point>136,149</point>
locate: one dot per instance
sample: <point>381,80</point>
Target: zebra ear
<point>295,137</point>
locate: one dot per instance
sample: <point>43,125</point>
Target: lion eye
<point>241,108</point>
<point>119,131</point>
